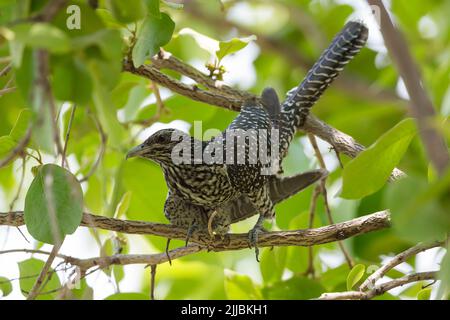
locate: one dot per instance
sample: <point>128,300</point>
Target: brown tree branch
<point>402,257</point>
<point>421,105</point>
<point>165,60</point>
<point>304,237</point>
<point>190,91</point>
<point>18,149</point>
<point>43,274</point>
<point>379,289</point>
<point>49,11</point>
<point>323,191</point>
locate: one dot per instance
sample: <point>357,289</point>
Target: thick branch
<point>190,91</point>
<point>305,237</point>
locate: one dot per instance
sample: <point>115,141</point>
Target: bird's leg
<point>167,251</point>
<point>253,235</point>
<point>261,201</point>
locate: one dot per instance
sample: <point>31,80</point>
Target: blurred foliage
<point>86,70</point>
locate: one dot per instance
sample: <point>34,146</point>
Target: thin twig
<point>19,190</point>
<point>152,281</point>
<point>421,105</point>
<point>379,289</point>
<point>101,152</point>
<point>5,70</point>
<point>37,285</point>
<point>312,210</point>
<point>49,11</point>
<point>395,261</point>
<point>7,90</point>
<point>18,150</point>
<point>323,190</point>
<point>69,127</point>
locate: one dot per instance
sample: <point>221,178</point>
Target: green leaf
<point>233,45</point>
<point>40,35</point>
<point>424,294</point>
<point>240,287</point>
<point>53,204</point>
<point>72,81</point>
<point>21,125</point>
<point>127,296</point>
<point>127,11</point>
<point>295,288</point>
<point>419,211</point>
<point>369,171</point>
<point>29,270</point>
<point>7,144</point>
<point>25,74</point>
<point>123,205</point>
<point>5,286</point>
<point>273,261</point>
<point>355,275</point>
<point>208,44</point>
<point>106,112</point>
<point>154,33</point>
<point>153,8</point>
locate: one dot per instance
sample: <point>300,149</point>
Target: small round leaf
<point>53,204</point>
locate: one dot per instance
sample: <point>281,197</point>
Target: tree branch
<point>421,105</point>
<point>402,257</point>
<point>18,149</point>
<point>190,91</point>
<point>165,60</point>
<point>40,279</point>
<point>304,237</point>
<point>379,289</point>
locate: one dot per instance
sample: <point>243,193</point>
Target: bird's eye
<point>160,139</point>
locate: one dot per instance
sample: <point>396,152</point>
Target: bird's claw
<point>253,239</point>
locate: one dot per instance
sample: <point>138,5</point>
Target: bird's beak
<point>136,151</point>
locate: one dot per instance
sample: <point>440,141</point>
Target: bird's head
<point>158,147</point>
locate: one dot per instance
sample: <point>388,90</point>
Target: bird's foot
<point>253,238</point>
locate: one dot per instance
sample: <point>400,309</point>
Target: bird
<point>211,184</point>
<point>185,214</point>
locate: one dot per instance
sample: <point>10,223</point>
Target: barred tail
<point>299,100</point>
<point>342,49</point>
